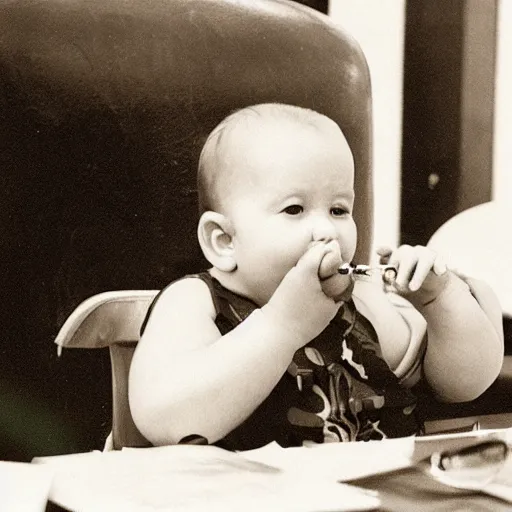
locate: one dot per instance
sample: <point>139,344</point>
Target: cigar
<point>388,272</point>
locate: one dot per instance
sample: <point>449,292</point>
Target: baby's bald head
<point>217,173</point>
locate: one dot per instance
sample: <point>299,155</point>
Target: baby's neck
<point>229,281</point>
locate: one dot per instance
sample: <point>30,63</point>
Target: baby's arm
<point>187,379</point>
<point>465,349</point>
<point>393,331</point>
<point>465,342</point>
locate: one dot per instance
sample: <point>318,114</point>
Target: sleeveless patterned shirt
<point>338,387</point>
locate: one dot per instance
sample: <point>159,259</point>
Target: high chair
<point>107,105</point>
<point>113,320</point>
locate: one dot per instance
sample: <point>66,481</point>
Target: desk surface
<point>193,478</point>
<point>489,421</point>
<point>410,490</point>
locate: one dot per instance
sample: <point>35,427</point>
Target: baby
<point>272,343</point>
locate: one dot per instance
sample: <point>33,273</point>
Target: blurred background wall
<point>441,128</point>
<point>379,26</point>
<point>502,155</point>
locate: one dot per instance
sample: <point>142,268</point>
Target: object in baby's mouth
<point>388,272</point>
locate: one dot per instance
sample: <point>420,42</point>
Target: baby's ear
<point>215,238</point>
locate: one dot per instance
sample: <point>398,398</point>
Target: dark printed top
<point>338,387</point>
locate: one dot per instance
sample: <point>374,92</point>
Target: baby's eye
<point>337,211</point>
<point>293,209</point>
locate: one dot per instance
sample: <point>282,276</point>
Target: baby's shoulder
<point>188,295</point>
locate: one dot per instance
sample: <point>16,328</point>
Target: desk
<point>487,421</point>
<point>409,489</point>
<point>194,478</point>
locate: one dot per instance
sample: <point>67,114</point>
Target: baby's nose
<point>323,229</point>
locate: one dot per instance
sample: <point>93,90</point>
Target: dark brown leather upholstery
<point>108,103</point>
<point>104,106</point>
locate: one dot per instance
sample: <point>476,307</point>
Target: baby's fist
<point>336,286</point>
<point>331,261</point>
<point>421,273</point>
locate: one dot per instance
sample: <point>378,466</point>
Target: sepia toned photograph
<point>256,255</point>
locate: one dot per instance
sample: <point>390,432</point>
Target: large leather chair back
<point>104,106</point>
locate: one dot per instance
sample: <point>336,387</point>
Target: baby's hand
<point>421,273</point>
<point>335,285</point>
<point>331,261</point>
<point>299,307</point>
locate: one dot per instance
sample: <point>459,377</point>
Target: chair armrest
<point>105,319</point>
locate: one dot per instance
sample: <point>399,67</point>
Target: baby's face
<point>291,187</point>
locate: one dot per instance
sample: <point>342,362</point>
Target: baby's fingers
<point>309,262</point>
<point>439,267</point>
<point>384,253</point>
<point>404,259</point>
<point>424,265</point>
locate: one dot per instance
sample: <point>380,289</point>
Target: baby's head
<point>272,180</point>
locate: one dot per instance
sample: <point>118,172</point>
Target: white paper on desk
<point>190,479</point>
<point>338,461</point>
<point>24,487</point>
<point>501,486</point>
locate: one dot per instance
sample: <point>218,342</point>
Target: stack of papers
<point>338,461</point>
<point>196,478</point>
<point>192,478</point>
<point>24,487</point>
